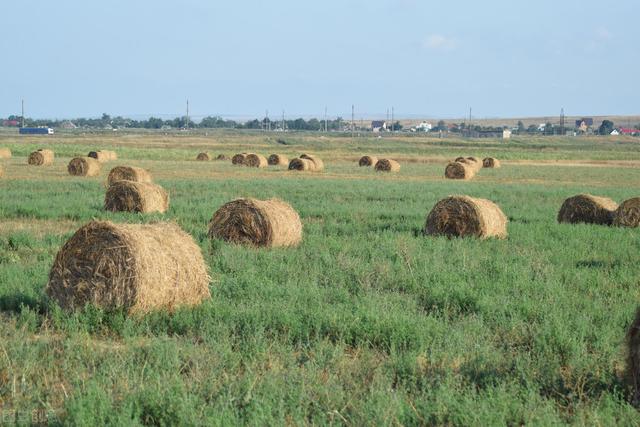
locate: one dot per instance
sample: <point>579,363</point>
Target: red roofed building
<point>9,123</point>
<point>628,131</point>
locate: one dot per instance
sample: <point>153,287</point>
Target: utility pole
<point>562,121</point>
<point>22,116</point>
<point>187,123</point>
<point>283,120</point>
<point>325,120</point>
<point>353,109</point>
<point>392,122</point>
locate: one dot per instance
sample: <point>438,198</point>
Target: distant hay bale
<point>103,155</point>
<point>203,157</point>
<point>387,165</point>
<point>299,164</point>
<point>318,164</point>
<point>277,160</point>
<point>475,162</point>
<point>587,209</point>
<point>460,159</point>
<point>628,213</point>
<point>633,358</point>
<point>130,196</point>
<point>239,159</point>
<point>367,161</point>
<point>5,153</point>
<point>491,162</point>
<point>128,173</point>
<point>459,170</point>
<point>266,223</point>
<point>222,157</point>
<point>84,166</point>
<point>136,267</point>
<point>42,157</point>
<point>463,216</point>
<point>255,161</point>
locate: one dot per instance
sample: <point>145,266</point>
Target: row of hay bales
<point>204,156</point>
<point>589,209</point>
<point>307,162</point>
<point>467,167</point>
<point>380,165</point>
<point>46,157</point>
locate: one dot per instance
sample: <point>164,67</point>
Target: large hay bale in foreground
<point>387,165</point>
<point>130,196</point>
<point>5,153</point>
<point>464,216</point>
<point>299,164</point>
<point>42,157</point>
<point>277,160</point>
<point>367,161</point>
<point>256,161</point>
<point>459,170</point>
<point>628,213</point>
<point>587,209</point>
<point>491,162</point>
<point>222,157</point>
<point>318,164</point>
<point>257,222</point>
<point>136,267</point>
<point>128,173</point>
<point>1,171</point>
<point>84,166</point>
<point>239,159</point>
<point>204,157</point>
<point>103,155</point>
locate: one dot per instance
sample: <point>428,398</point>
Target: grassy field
<point>366,322</point>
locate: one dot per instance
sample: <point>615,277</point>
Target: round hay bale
<point>460,159</point>
<point>633,358</point>
<point>130,196</point>
<point>5,153</point>
<point>277,160</point>
<point>128,173</point>
<point>628,213</point>
<point>255,161</point>
<point>587,209</point>
<point>203,157</point>
<point>103,155</point>
<point>367,161</point>
<point>475,162</point>
<point>136,267</point>
<point>254,222</point>
<point>299,164</point>
<point>222,157</point>
<point>1,171</point>
<point>387,165</point>
<point>42,157</point>
<point>464,216</point>
<point>459,170</point>
<point>84,166</point>
<point>491,162</point>
<point>318,164</point>
<point>239,159</point>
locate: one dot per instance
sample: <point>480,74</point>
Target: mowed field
<point>367,322</point>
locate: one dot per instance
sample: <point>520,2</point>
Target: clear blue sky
<point>70,58</point>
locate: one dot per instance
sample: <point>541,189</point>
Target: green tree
<point>606,127</point>
<point>521,128</point>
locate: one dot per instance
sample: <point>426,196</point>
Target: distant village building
<point>584,124</point>
<point>628,131</point>
<point>614,132</point>
<point>378,125</point>
<point>68,125</point>
<point>506,134</point>
<point>424,127</point>
<point>12,123</point>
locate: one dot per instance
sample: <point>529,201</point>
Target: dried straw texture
<point>464,216</point>
<point>136,267</point>
<point>42,157</point>
<point>628,213</point>
<point>103,155</point>
<point>222,157</point>
<point>633,358</point>
<point>277,160</point>
<point>254,222</point>
<point>387,165</point>
<point>239,159</point>
<point>367,161</point>
<point>203,157</point>
<point>84,166</point>
<point>491,162</point>
<point>587,209</point>
<point>129,173</point>
<point>255,161</point>
<point>475,162</point>
<point>301,165</point>
<point>1,171</point>
<point>459,170</point>
<point>130,196</point>
<point>5,153</point>
<point>318,164</point>
<point>459,159</point>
